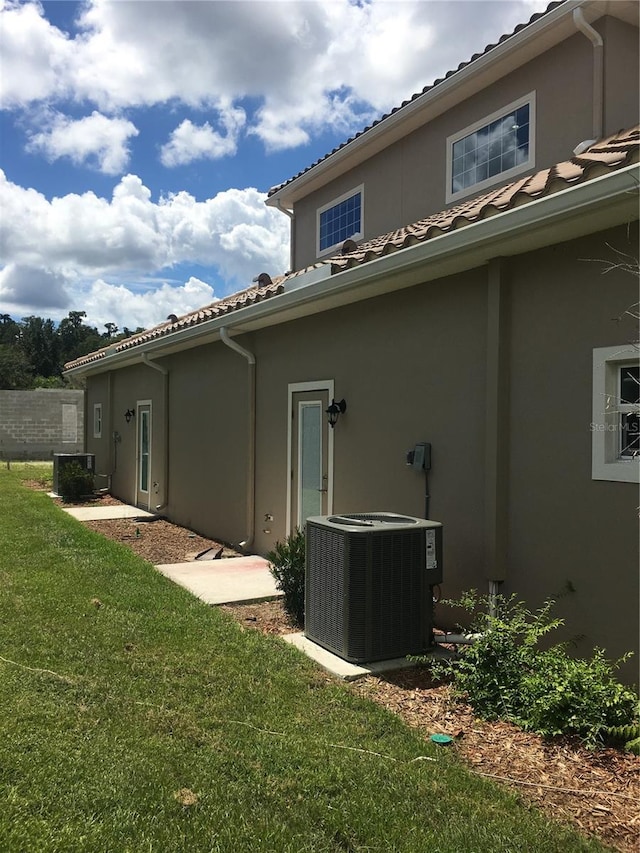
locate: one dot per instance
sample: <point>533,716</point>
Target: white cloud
<point>93,139</point>
<point>86,235</point>
<point>190,142</point>
<point>308,65</point>
<point>34,56</point>
<point>116,303</point>
<point>37,288</point>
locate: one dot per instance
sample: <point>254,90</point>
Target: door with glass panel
<point>309,456</point>
<point>143,455</point>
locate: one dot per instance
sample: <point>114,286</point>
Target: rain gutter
<point>556,218</point>
<point>251,438</point>
<point>292,232</point>
<point>598,71</point>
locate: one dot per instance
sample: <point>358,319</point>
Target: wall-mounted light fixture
<point>335,410</point>
<point>130,413</point>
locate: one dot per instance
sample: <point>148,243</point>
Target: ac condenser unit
<point>60,460</point>
<point>368,586</point>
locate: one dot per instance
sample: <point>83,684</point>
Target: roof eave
<point>587,207</point>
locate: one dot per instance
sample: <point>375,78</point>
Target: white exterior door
<point>310,455</point>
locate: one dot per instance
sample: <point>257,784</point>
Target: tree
<point>15,370</point>
<point>39,342</point>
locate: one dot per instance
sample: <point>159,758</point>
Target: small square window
<point>340,220</point>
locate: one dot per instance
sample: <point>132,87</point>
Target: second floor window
<point>340,220</point>
<point>494,149</point>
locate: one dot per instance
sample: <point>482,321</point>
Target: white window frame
<point>97,420</point>
<point>333,203</point>
<point>607,464</point>
<point>505,176</point>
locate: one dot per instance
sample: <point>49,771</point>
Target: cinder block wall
<point>37,424</point>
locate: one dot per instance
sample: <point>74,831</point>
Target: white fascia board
<point>534,39</point>
<point>587,207</point>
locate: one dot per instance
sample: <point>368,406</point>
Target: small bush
<point>505,674</point>
<point>74,482</point>
<point>287,567</point>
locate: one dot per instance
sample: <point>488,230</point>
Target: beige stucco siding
<point>407,181</point>
<point>414,366</point>
<point>567,531</point>
<point>117,457</point>
<point>411,367</point>
<point>98,392</point>
<point>208,441</point>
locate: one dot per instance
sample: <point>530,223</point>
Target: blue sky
<point>139,137</point>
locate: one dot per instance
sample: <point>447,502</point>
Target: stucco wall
<point>407,181</point>
<point>37,424</point>
<point>412,366</point>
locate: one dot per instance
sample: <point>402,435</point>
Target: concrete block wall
<point>37,424</point>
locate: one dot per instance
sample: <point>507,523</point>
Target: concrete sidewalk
<point>239,580</point>
<point>234,580</point>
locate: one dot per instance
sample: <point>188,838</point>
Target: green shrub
<point>287,567</point>
<point>74,482</point>
<point>505,674</point>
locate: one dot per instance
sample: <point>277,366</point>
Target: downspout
<point>598,71</point>
<point>165,393</point>
<point>497,430</point>
<point>251,455</point>
<point>108,426</point>
<point>292,234</point>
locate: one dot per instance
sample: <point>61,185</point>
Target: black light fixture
<point>335,410</point>
<point>130,413</point>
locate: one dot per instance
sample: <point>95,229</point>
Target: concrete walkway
<point>228,581</point>
<point>239,580</point>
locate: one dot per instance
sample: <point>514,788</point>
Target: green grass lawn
<point>119,689</point>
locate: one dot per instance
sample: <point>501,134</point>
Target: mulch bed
<point>597,791</point>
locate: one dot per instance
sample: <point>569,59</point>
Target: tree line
<point>33,350</point>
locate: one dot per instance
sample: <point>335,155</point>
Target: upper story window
<point>494,149</point>
<point>340,220</point>
<point>615,426</point>
<point>97,420</point>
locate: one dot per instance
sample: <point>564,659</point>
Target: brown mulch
<point>157,541</point>
<point>596,791</point>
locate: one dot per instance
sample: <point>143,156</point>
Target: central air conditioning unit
<point>60,460</point>
<point>369,584</point>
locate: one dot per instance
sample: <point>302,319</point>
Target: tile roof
<point>250,296</point>
<point>602,157</point>
<point>418,95</point>
<point>607,155</point>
